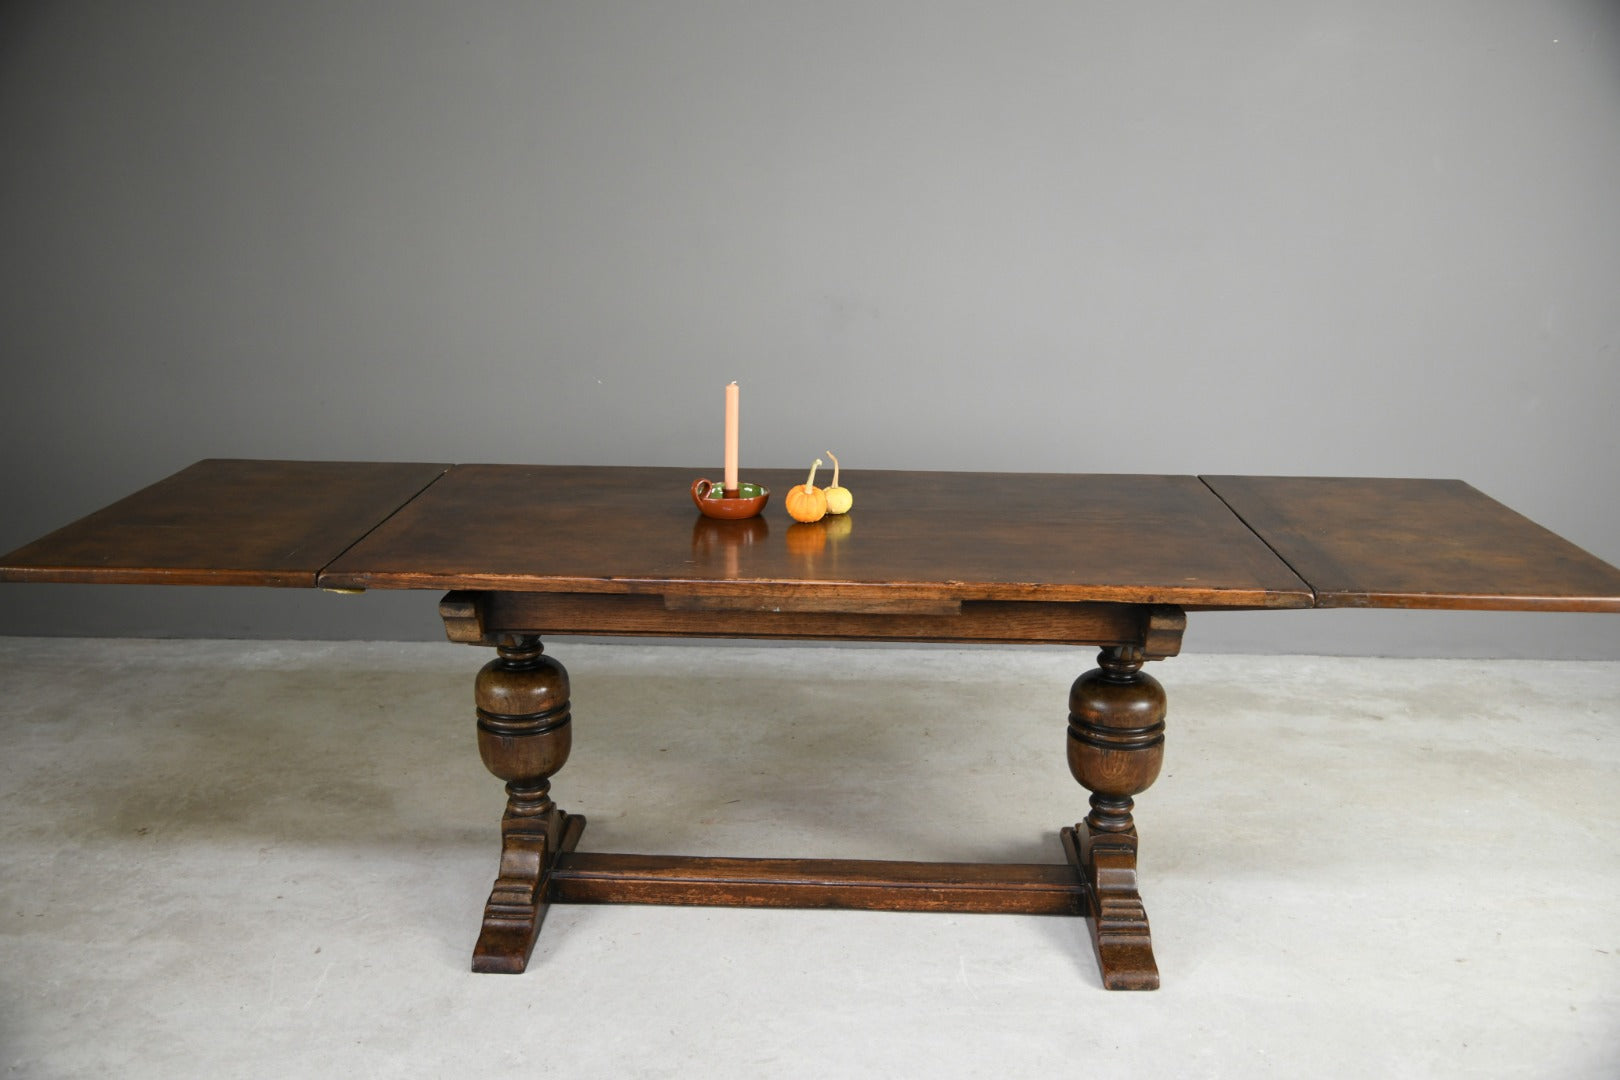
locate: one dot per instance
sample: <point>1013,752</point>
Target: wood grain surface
<point>960,536</point>
<point>226,522</point>
<point>1408,543</point>
<point>917,542</point>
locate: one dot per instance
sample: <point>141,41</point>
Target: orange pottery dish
<point>714,502</point>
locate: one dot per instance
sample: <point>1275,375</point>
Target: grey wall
<point>1373,238</point>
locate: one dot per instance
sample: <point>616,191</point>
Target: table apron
<point>482,617</point>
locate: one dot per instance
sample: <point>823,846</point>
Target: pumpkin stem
<point>811,482</point>
<point>835,467</point>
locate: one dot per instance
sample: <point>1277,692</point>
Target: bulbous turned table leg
<point>1116,745</point>
<point>524,734</point>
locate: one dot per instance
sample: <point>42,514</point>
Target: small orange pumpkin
<point>806,502</point>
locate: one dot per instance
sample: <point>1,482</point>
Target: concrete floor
<point>267,859</point>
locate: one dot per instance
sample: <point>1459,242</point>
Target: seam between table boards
<point>1316,597</point>
<point>417,494</point>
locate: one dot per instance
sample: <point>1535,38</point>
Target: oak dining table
<point>1116,563</point>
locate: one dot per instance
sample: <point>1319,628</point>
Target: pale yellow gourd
<point>839,499</point>
<point>806,502</point>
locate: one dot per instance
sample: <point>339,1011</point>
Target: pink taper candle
<point>731,439</point>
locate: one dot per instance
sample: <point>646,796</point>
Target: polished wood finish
<point>1116,747</point>
<point>1116,739</point>
<point>1104,561</point>
<point>868,885</point>
<point>920,542</point>
<point>226,522</point>
<point>1116,726</point>
<point>776,602</point>
<point>915,535</point>
<point>473,617</point>
<point>524,734</point>
<point>1403,543</point>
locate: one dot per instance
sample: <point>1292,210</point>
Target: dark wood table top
<point>226,522</point>
<point>1404,543</point>
<point>966,536</point>
<point>1216,542</point>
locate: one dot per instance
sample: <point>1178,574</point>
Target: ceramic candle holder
<point>712,500</point>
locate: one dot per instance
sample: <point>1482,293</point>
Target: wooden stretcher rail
<point>865,885</point>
